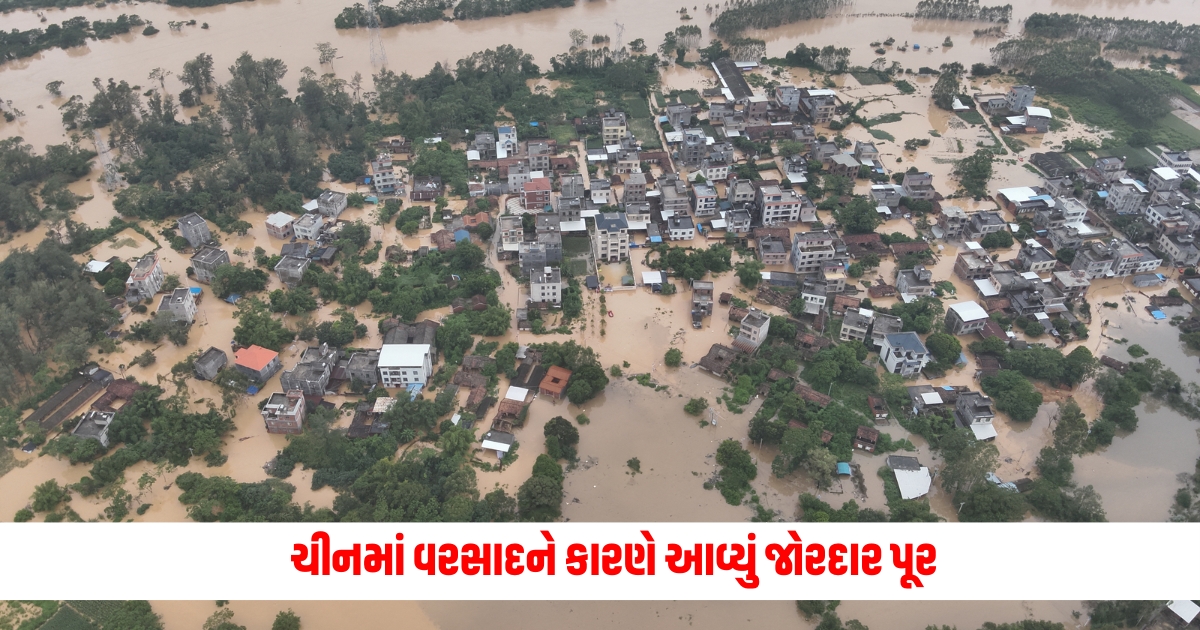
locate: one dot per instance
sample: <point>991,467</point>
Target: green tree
<point>540,499</point>
<point>967,461</point>
<point>1002,239</point>
<point>859,217</point>
<point>286,620</point>
<point>749,273</point>
<point>48,495</point>
<point>696,406</point>
<point>673,357</point>
<point>945,347</point>
<point>1013,394</point>
<point>737,471</point>
<point>989,503</point>
<point>1071,430</point>
<point>256,327</point>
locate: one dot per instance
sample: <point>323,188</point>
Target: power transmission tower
<point>378,54</point>
<point>617,52</point>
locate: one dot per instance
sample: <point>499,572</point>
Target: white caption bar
<point>604,561</point>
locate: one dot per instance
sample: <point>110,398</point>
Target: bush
<point>673,357</point>
<point>696,406</point>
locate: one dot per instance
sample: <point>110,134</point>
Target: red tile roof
<point>255,357</point>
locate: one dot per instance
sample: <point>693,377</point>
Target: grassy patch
<point>971,117</point>
<point>905,87</point>
<point>1016,144</point>
<point>563,134</point>
<point>853,396</point>
<point>1169,130</point>
<point>880,134</point>
<point>1083,158</point>
<point>8,461</point>
<point>576,245</point>
<point>1135,157</point>
<point>886,118</point>
<point>577,267</point>
<point>868,78</point>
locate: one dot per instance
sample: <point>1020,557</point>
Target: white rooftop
<point>403,354</point>
<point>515,393</point>
<point>310,206</point>
<point>96,266</point>
<point>1030,275</point>
<point>472,155</point>
<point>1033,243</point>
<point>651,277</point>
<point>1038,111</point>
<point>719,224</point>
<point>1185,608</point>
<point>986,288</point>
<point>972,245</point>
<point>931,398</point>
<point>279,219</point>
<point>969,311</point>
<point>1165,173</point>
<point>984,431</point>
<point>913,483</point>
<point>1018,194</point>
<point>821,93</point>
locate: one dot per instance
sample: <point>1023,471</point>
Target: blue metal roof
<point>843,468</point>
<point>461,235</point>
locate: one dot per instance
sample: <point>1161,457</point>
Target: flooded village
<point>865,262</point>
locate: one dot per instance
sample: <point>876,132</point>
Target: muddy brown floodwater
<point>1135,475</point>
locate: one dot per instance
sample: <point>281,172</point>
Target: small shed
<point>866,438</point>
<point>913,478</point>
<point>555,382</point>
<point>498,441</point>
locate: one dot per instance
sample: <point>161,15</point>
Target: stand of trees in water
<point>419,11</point>
<point>70,33</point>
<point>1123,34</point>
<point>1127,101</point>
<point>969,10</point>
<point>741,15</point>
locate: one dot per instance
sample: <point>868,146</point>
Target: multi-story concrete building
<point>309,226</point>
<point>973,411</point>
<point>1109,169</point>
<point>704,200</point>
<point>1116,258</point>
<point>984,223</point>
<point>194,229</point>
<point>546,286</point>
<point>904,354</point>
<point>206,261</point>
<point>973,264</point>
<point>279,225</point>
<point>917,281</point>
<point>788,97</point>
<point>1020,97</point>
<point>291,270</point>
<point>571,186</point>
<point>383,175</point>
<point>285,412</point>
<point>679,115</point>
<point>512,232</point>
<point>401,365</point>
<point>612,237</point>
<point>1178,161</point>
<point>1073,285</point>
<point>506,141</point>
<point>179,304</point>
<point>810,250</point>
<point>965,317</point>
<point>259,364</point>
<point>772,251</point>
<point>635,188</point>
<point>755,326</point>
<point>778,206</point>
<point>694,147</point>
<point>856,325</point>
<point>1126,196</point>
<point>739,191</point>
<point>674,194</point>
<point>954,221</point>
<point>918,186</point>
<point>1181,248</point>
<point>613,126</point>
<point>535,194</point>
<point>818,104</point>
<point>1163,179</point>
<point>681,228</point>
<point>331,203</point>
<point>312,372</point>
<point>1033,257</point>
<point>146,278</point>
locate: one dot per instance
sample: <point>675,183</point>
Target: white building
<point>146,278</point>
<point>401,365</point>
<point>331,203</point>
<point>1126,196</point>
<point>904,353</point>
<point>778,205</point>
<point>704,200</point>
<point>1163,179</point>
<point>546,286</point>
<point>180,304</point>
<point>612,237</point>
<point>309,226</point>
<point>681,228</point>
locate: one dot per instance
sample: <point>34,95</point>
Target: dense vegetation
<point>27,179</point>
<point>742,15</point>
<point>48,312</point>
<point>1123,33</point>
<point>70,33</point>
<point>478,9</point>
<point>406,12</point>
<point>963,10</point>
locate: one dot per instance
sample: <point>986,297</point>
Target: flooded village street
<point>640,414</point>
